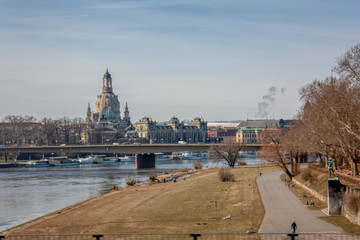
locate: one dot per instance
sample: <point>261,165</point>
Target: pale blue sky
<point>215,59</point>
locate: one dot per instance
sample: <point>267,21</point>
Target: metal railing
<point>197,236</point>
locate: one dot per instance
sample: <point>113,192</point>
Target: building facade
<point>173,131</point>
<point>250,131</point>
<point>218,134</point>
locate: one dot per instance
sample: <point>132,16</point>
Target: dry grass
<point>352,202</point>
<point>344,223</point>
<point>164,208</point>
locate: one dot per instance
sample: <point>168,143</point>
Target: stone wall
<point>310,190</point>
<point>346,211</point>
<point>344,176</point>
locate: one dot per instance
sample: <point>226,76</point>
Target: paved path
<point>283,207</point>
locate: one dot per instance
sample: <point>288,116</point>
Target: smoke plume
<point>268,100</point>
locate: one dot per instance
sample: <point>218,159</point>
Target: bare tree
<point>348,65</point>
<point>49,130</point>
<point>229,151</point>
<point>17,128</point>
<point>273,151</point>
<point>331,118</point>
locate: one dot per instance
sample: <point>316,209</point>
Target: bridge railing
<point>183,236</point>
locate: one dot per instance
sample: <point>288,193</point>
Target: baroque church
<point>105,125</point>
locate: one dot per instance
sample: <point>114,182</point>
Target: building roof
<point>107,113</point>
<point>260,124</point>
<point>174,120</point>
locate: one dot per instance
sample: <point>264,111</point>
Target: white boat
<point>64,161</point>
<point>194,155</point>
<point>87,160</point>
<point>127,159</point>
<point>98,158</point>
<point>38,163</point>
<point>110,160</point>
<point>247,154</point>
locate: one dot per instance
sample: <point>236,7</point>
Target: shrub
<point>197,164</point>
<point>114,188</point>
<point>131,181</point>
<point>183,170</point>
<point>153,179</point>
<point>241,162</point>
<point>307,175</point>
<point>225,175</point>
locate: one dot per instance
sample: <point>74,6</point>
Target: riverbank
<point>187,205</point>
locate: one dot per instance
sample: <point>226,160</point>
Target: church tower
<point>107,101</point>
<point>88,114</point>
<point>107,82</point>
<point>127,115</point>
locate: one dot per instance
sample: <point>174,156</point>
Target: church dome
<point>174,120</point>
<point>107,113</point>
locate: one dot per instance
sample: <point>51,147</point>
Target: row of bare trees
<point>18,129</point>
<point>328,122</point>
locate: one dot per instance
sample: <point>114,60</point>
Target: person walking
<point>293,227</point>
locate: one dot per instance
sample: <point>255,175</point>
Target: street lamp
<point>215,203</point>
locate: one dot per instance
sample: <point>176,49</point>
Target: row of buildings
<point>105,126</point>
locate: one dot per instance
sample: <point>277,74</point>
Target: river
<point>28,193</point>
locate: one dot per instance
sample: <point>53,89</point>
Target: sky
<point>216,59</point>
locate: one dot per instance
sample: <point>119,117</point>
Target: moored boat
<point>110,160</point>
<point>247,154</point>
<point>38,163</point>
<point>64,161</point>
<point>194,155</point>
<point>127,159</point>
<point>87,160</point>
<point>98,158</point>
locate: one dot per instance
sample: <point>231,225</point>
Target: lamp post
<point>215,204</point>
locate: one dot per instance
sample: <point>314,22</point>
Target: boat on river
<point>194,155</point>
<point>110,160</point>
<point>86,160</point>
<point>127,159</point>
<point>38,163</point>
<point>247,154</point>
<point>63,161</point>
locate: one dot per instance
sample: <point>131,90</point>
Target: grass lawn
<point>173,207</point>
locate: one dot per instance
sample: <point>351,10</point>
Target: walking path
<point>283,207</point>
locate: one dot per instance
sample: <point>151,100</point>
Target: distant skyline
<point>212,59</point>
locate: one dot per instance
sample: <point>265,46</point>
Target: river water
<point>28,193</point>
